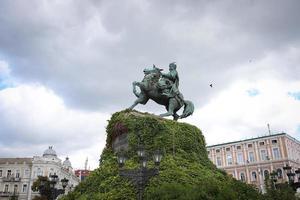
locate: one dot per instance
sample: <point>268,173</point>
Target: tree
<point>279,191</point>
<point>14,197</point>
<point>42,185</point>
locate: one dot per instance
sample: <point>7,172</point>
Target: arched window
<point>242,176</point>
<point>266,174</point>
<point>39,172</point>
<point>253,176</point>
<point>15,189</point>
<point>279,173</point>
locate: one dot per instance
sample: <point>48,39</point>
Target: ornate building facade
<point>252,159</point>
<point>18,174</point>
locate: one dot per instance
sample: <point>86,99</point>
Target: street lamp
<point>64,182</point>
<point>141,151</point>
<point>53,181</point>
<point>289,173</point>
<point>144,162</point>
<point>121,159</point>
<point>140,177</point>
<point>157,157</point>
<point>298,174</point>
<point>291,177</point>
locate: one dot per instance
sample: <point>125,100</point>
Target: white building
<point>18,174</point>
<point>250,160</point>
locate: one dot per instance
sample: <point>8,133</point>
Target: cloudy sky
<point>65,64</point>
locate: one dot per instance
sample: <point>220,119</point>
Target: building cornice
<point>253,139</point>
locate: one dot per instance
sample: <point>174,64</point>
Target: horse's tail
<point>188,109</point>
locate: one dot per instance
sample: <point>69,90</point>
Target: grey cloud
<point>90,52</point>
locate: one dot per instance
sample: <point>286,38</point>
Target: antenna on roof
<point>269,129</point>
<point>86,163</point>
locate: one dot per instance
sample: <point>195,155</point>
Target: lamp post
<point>297,184</point>
<point>64,183</point>
<point>140,177</point>
<point>289,173</point>
<point>54,191</point>
<point>291,177</point>
<point>298,174</point>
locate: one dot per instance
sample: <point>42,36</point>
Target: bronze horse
<point>152,87</point>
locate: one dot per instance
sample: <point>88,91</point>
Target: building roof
<point>82,172</point>
<point>49,152</point>
<point>67,163</point>
<point>246,140</point>
<point>15,160</point>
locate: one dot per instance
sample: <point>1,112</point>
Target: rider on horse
<point>172,90</point>
<point>163,89</point>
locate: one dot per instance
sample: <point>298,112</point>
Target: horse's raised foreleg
<point>139,101</point>
<point>142,99</point>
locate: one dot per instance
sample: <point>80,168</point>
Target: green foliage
<point>40,198</point>
<point>278,191</point>
<point>14,197</point>
<point>44,190</point>
<point>185,171</point>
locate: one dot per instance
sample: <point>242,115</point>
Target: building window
<point>51,171</point>
<point>17,173</point>
<point>26,173</point>
<point>0,173</point>
<point>251,157</point>
<point>229,159</point>
<point>263,154</point>
<point>16,189</point>
<point>266,174</point>
<point>238,147</point>
<point>276,153</point>
<point>240,158</point>
<point>5,188</point>
<point>253,176</point>
<point>279,173</point>
<point>217,150</point>
<point>219,161</point>
<point>242,177</point>
<point>24,188</point>
<point>261,143</point>
<point>227,149</point>
<point>39,172</point>
<point>8,173</point>
<point>249,145</point>
<point>208,152</point>
<point>274,141</point>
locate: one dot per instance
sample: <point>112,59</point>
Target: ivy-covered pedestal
<point>185,171</point>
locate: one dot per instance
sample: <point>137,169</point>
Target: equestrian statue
<point>163,89</point>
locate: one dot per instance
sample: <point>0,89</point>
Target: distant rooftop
<point>15,160</point>
<point>256,138</point>
<point>49,152</point>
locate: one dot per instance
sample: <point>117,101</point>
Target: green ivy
<point>184,173</point>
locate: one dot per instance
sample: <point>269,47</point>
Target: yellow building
<point>251,159</point>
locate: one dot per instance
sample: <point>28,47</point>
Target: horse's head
<point>153,70</point>
<point>152,76</point>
